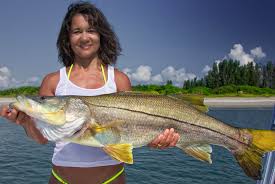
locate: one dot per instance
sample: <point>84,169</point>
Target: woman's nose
<point>84,36</point>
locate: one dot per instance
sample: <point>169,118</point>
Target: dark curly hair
<point>109,44</point>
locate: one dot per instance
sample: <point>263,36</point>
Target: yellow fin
<point>250,159</point>
<point>264,139</point>
<point>85,140</point>
<point>97,128</point>
<point>201,108</point>
<point>201,152</point>
<point>120,152</point>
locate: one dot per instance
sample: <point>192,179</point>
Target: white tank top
<point>75,155</point>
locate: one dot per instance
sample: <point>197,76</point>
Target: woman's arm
<point>122,81</point>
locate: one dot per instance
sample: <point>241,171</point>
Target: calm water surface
<point>25,162</point>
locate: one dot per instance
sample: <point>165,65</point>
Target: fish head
<point>52,110</point>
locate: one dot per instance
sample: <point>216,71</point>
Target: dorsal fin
<point>194,100</point>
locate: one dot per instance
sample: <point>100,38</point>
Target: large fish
<point>122,121</point>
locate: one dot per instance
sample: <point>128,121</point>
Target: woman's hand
<point>13,115</point>
<point>166,139</point>
<point>20,118</point>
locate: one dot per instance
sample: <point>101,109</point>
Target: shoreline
<point>239,102</point>
<point>4,101</point>
<point>229,102</point>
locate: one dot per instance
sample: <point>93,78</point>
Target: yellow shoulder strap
<point>103,72</point>
<point>70,70</point>
<point>102,69</point>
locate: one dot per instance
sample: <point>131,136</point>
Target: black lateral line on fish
<point>170,119</point>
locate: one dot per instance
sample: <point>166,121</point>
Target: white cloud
<point>144,74</point>
<point>5,71</point>
<point>157,79</point>
<point>169,73</point>
<point>33,80</point>
<point>257,53</point>
<point>176,76</point>
<point>206,69</point>
<point>237,53</point>
<point>5,77</point>
<point>8,81</point>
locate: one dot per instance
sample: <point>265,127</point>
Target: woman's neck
<point>88,64</point>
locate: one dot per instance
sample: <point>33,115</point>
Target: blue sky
<point>161,40</point>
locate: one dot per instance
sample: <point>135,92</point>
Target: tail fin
<point>250,159</point>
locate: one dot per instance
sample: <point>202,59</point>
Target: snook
<point>122,121</point>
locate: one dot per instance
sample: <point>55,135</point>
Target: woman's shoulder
<point>49,84</point>
<point>122,81</point>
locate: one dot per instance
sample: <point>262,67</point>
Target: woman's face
<point>84,39</point>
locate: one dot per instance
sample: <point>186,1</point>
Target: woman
<point>87,48</point>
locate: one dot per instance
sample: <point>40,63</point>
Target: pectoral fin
<point>201,152</point>
<point>120,152</point>
<point>87,141</point>
<point>114,125</point>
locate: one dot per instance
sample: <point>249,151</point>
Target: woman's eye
<point>91,31</point>
<point>76,32</point>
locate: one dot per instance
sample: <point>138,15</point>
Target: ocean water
<point>22,161</point>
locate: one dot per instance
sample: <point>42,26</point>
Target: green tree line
<point>168,88</point>
<point>229,72</point>
<point>25,90</point>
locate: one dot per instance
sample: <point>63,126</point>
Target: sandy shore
<point>216,102</point>
<point>240,102</point>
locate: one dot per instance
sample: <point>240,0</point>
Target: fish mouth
<point>21,103</point>
<point>26,104</point>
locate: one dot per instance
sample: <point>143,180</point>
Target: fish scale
<point>166,107</point>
